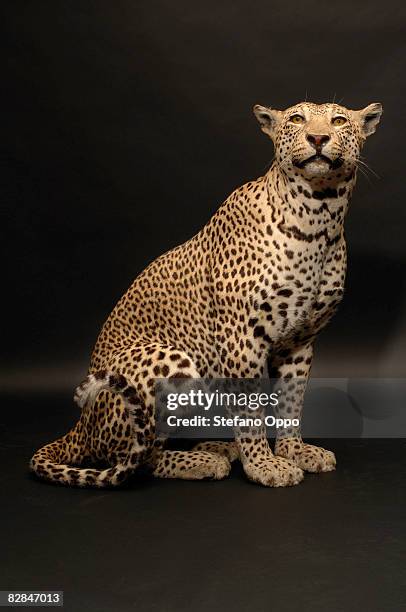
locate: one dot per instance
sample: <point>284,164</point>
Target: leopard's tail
<point>55,461</point>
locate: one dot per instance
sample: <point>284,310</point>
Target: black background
<point>126,124</point>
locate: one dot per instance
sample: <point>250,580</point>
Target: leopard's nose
<point>318,140</point>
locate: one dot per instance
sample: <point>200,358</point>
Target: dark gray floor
<point>334,543</point>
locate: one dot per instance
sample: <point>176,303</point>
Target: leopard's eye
<point>339,121</point>
<point>296,119</point>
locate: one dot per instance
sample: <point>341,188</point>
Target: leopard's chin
<point>317,168</point>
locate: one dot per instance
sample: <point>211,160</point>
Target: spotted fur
<point>245,297</point>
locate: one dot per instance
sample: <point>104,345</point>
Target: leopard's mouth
<point>320,158</point>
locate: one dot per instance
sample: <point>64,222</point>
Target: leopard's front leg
<point>295,367</point>
<point>258,461</point>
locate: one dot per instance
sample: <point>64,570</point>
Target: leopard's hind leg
<point>144,363</point>
<point>192,465</point>
<point>225,449</point>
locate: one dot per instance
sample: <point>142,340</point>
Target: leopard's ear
<point>369,118</point>
<point>268,118</point>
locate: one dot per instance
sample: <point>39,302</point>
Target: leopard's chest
<point>301,294</point>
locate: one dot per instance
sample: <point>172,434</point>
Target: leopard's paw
<point>208,466</point>
<point>306,456</point>
<point>273,472</point>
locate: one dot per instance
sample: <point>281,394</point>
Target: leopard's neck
<point>309,207</point>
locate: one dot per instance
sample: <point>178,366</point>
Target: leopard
<point>244,298</point>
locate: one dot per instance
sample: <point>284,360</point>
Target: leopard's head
<point>316,140</point>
